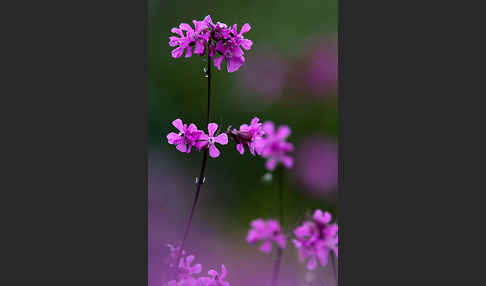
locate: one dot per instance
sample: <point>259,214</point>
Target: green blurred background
<point>289,77</point>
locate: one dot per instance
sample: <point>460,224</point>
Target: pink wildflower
<point>273,146</point>
<point>216,279</point>
<point>239,39</point>
<point>230,52</point>
<point>248,135</point>
<point>210,140</point>
<point>186,138</point>
<point>267,231</point>
<point>198,37</point>
<point>219,38</point>
<point>316,238</point>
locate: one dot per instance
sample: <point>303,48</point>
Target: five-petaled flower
<point>186,138</point>
<point>209,140</point>
<point>316,238</point>
<point>267,231</point>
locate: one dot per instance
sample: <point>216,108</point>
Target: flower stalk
<point>278,260</point>
<point>200,180</point>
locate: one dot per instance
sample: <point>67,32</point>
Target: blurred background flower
<point>265,78</point>
<point>317,165</point>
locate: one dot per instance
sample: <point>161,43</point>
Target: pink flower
<point>316,238</point>
<point>239,39</point>
<point>219,38</point>
<point>248,135</point>
<point>186,270</point>
<point>273,146</point>
<point>209,140</point>
<point>186,138</point>
<point>197,38</point>
<point>267,231</point>
<point>216,279</point>
<point>230,52</point>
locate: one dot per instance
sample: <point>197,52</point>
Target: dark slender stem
<point>200,180</point>
<point>196,196</point>
<point>334,270</point>
<point>209,87</point>
<point>278,261</point>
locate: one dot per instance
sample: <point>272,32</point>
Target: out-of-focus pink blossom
<point>265,77</point>
<point>274,147</point>
<point>316,238</point>
<point>317,165</point>
<point>268,231</point>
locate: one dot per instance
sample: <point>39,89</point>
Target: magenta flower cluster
<point>268,231</point>
<point>260,138</point>
<point>186,271</point>
<point>221,41</point>
<point>316,238</point>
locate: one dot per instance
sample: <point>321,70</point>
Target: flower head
<point>316,238</point>
<point>210,140</point>
<point>186,138</point>
<point>248,135</point>
<point>218,38</point>
<point>267,231</point>
<point>274,147</point>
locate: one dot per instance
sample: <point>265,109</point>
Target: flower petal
<point>172,137</point>
<point>212,127</point>
<point>218,61</point>
<point>287,161</point>
<point>177,31</point>
<point>182,147</point>
<point>266,247</point>
<point>246,27</point>
<point>213,151</point>
<point>188,52</point>
<point>271,164</point>
<point>178,124</point>
<point>312,264</point>
<point>177,52</point>
<point>246,44</point>
<point>186,27</point>
<point>234,63</point>
<point>221,139</point>
<point>240,148</point>
<point>268,128</point>
<point>223,271</point>
<point>200,48</point>
<point>283,132</point>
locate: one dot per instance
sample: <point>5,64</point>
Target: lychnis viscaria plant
<point>315,238</point>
